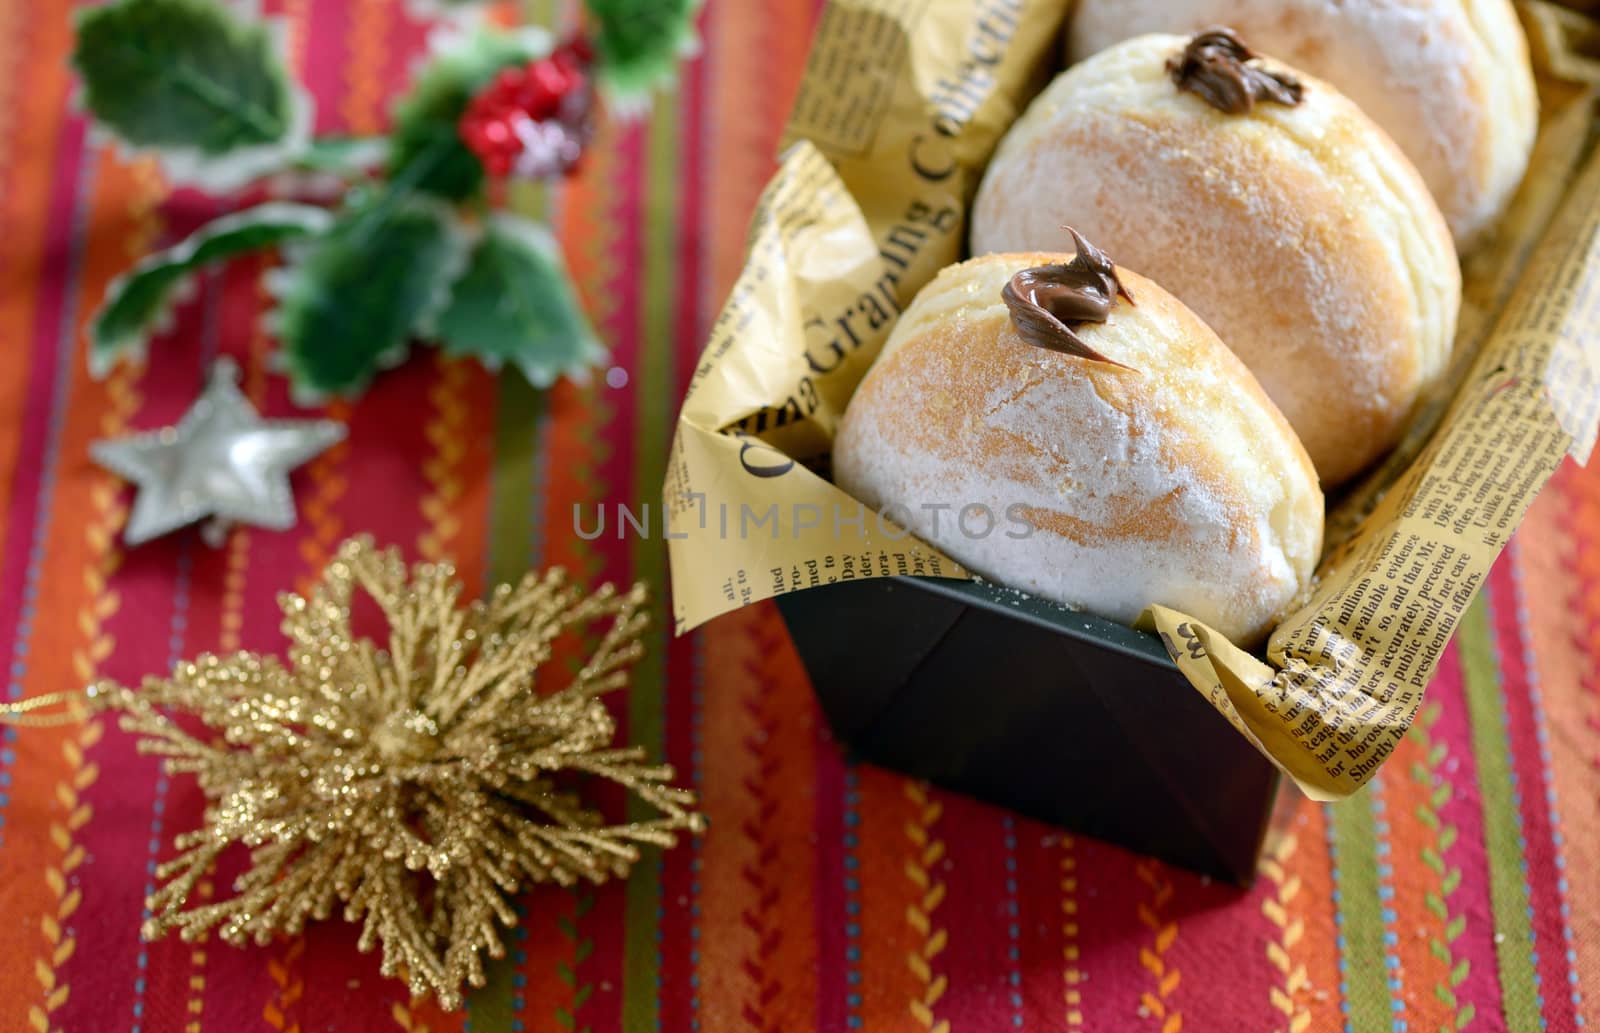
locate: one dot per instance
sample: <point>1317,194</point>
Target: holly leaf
<point>343,156</point>
<point>428,149</point>
<point>515,304</point>
<point>139,301</point>
<point>638,44</point>
<point>420,9</point>
<point>208,91</point>
<point>351,300</point>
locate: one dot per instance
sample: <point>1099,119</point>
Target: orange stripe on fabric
<point>52,771</point>
<point>11,81</point>
<point>1286,931</point>
<point>744,132</point>
<point>791,33</point>
<point>368,41</point>
<point>759,953</point>
<point>1317,951</point>
<point>787,715</point>
<point>588,236</point>
<point>106,513</point>
<point>297,15</point>
<point>754,79</point>
<point>550,923</point>
<point>727,942</point>
<point>447,442</point>
<point>888,897</point>
<point>26,174</point>
<point>460,435</point>
<point>1558,553</point>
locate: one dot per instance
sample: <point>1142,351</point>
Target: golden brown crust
<point>1300,234</point>
<point>1449,80</point>
<point>1179,463</point>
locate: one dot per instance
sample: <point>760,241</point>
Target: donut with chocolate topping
<point>1141,460</point>
<point>1268,203</point>
<point>1448,80</point>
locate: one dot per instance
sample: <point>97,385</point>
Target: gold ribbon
<point>26,713</point>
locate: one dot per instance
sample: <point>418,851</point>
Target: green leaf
<point>351,301</point>
<point>344,156</point>
<point>420,9</point>
<point>186,77</point>
<point>516,305</point>
<point>137,301</point>
<point>426,139</point>
<point>638,44</point>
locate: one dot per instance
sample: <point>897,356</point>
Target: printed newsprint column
<point>1347,671</point>
<point>902,103</point>
<point>746,520</point>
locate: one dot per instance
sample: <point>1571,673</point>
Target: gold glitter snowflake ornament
<point>420,786</point>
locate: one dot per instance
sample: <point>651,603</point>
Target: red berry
<point>533,120</point>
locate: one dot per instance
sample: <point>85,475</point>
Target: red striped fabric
<point>1458,893</point>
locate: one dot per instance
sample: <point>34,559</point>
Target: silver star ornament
<point>222,462</point>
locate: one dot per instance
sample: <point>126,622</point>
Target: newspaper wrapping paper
<point>902,103</point>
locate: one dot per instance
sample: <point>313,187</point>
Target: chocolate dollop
<point>1213,67</point>
<point>1046,301</point>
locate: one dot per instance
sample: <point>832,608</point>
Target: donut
<point>1067,428</point>
<point>1268,203</point>
<point>1449,80</point>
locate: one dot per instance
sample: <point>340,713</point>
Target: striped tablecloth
<point>1460,892</point>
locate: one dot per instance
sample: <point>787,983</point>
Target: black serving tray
<point>1055,714</point>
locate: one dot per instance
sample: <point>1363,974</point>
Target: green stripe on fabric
<point>1366,985</point>
<point>518,442</point>
<point>512,519</point>
<point>513,511</point>
<point>494,1005</point>
<point>655,394</point>
<point>1508,887</point>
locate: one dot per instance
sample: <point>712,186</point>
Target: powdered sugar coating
<point>1449,80</point>
<point>1300,234</point>
<point>1176,482</point>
